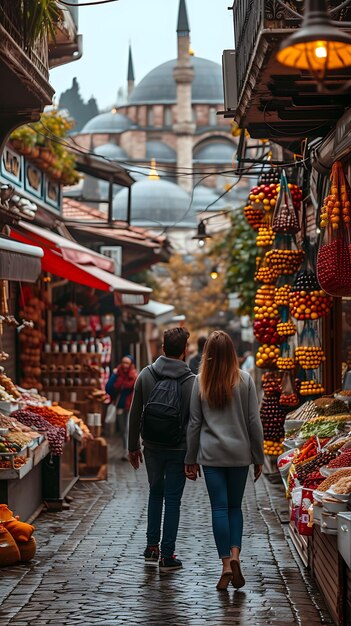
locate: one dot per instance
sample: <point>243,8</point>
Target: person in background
<point>194,362</point>
<point>225,436</point>
<point>120,387</point>
<point>164,450</point>
<point>248,364</point>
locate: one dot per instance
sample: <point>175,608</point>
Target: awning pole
<point>129,208</point>
<point>110,201</point>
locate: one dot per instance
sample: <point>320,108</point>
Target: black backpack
<point>163,417</point>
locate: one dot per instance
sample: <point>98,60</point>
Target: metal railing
<point>11,19</point>
<point>252,16</point>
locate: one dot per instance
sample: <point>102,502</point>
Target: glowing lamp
<point>319,45</point>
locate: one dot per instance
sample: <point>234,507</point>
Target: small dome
<point>156,204</point>
<point>214,152</point>
<point>204,196</point>
<point>160,151</point>
<point>111,122</point>
<point>111,151</point>
<point>159,85</point>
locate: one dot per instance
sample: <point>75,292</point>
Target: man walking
<point>160,413</point>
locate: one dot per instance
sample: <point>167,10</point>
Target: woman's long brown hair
<point>219,370</point>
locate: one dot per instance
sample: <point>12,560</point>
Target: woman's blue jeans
<point>165,470</point>
<point>225,486</point>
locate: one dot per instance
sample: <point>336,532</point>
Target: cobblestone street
<point>89,570</point>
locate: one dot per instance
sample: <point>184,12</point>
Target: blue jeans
<point>225,486</point>
<point>165,470</point>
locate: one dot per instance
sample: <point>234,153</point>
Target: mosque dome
<point>214,152</point>
<point>156,204</point>
<point>110,122</point>
<point>204,196</point>
<point>160,151</point>
<point>111,151</point>
<point>159,86</point>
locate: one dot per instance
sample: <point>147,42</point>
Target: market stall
<point>300,315</point>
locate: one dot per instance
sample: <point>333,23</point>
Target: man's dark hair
<point>200,343</point>
<point>174,341</point>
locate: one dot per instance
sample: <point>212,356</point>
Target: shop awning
<point>18,261</point>
<point>56,262</point>
<point>156,311</point>
<point>68,249</point>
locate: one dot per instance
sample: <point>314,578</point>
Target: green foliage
<point>238,251</point>
<point>40,18</point>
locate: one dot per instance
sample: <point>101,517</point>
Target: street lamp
<point>319,45</point>
<point>201,234</point>
<point>214,272</point>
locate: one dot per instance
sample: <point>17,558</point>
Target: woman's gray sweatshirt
<point>229,437</point>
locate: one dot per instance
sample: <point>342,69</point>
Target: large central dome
<point>159,86</point>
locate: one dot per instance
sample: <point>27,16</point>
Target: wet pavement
<point>89,571</point>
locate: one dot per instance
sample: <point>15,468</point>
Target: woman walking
<point>120,388</point>
<point>224,436</point>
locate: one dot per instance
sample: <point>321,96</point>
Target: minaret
<point>130,75</point>
<point>183,74</point>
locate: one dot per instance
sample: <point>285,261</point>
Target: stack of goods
<point>56,435</point>
<point>272,417</point>
<point>31,339</point>
<point>334,262</point>
<point>17,543</point>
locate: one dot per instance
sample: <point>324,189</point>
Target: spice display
<point>309,357</point>
<point>268,310</point>
<point>18,461</point>
<point>343,460</point>
<point>308,450</point>
<point>285,363</point>
<point>285,217</point>
<point>7,384</point>
<point>272,418</point>
<point>265,331</point>
<point>330,406</point>
<point>343,486</point>
<point>254,216</point>
<point>264,294</point>
<point>272,448</point>
<point>333,263</point>
<point>267,356</point>
<point>265,237</point>
<point>304,413</point>
<point>286,329</point>
<point>325,428</point>
<point>281,297</point>
<point>264,196</point>
<point>313,480</point>
<point>334,479</point>
<point>336,208</point>
<point>51,415</point>
<point>284,261</point>
<point>311,388</point>
<point>265,274</point>
<point>305,468</point>
<point>55,436</point>
<point>289,396</point>
<point>272,383</point>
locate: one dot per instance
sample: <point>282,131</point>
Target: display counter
<point>21,489</point>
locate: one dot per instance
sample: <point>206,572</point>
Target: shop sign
<point>29,180</point>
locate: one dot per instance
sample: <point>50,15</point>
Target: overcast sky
<point>151,27</point>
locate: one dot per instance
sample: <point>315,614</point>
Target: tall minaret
<point>130,75</point>
<point>183,74</point>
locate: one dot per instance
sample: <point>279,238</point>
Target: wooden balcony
<point>24,70</point>
<point>275,101</point>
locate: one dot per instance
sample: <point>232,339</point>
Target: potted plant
<point>23,139</point>
<point>40,18</point>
